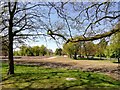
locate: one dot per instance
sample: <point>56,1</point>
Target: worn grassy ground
<point>100,66</point>
<point>31,76</point>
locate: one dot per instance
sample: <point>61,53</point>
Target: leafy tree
<point>36,50</point>
<point>17,53</point>
<point>113,50</point>
<point>58,51</point>
<point>101,47</point>
<point>24,50</point>
<point>43,50</point>
<point>32,51</point>
<point>89,49</point>
<point>72,49</point>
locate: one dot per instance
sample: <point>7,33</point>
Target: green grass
<point>27,77</point>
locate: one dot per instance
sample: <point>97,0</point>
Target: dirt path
<point>109,68</point>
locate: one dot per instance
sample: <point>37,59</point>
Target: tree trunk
<point>11,35</point>
<point>85,50</point>
<point>10,53</point>
<point>10,47</point>
<point>70,56</point>
<point>10,56</point>
<point>75,55</point>
<point>118,60</point>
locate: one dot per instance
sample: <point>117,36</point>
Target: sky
<point>51,44</point>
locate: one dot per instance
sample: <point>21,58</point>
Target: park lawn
<point>29,76</point>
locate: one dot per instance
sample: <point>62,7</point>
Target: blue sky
<point>51,44</point>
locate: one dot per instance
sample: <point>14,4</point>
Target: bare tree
<point>18,22</point>
<point>88,20</point>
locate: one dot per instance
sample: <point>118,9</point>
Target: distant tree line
<point>88,49</point>
<point>33,51</point>
<point>85,49</point>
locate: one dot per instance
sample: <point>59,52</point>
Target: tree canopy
<point>113,49</point>
<point>33,51</point>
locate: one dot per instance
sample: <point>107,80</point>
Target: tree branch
<point>99,36</point>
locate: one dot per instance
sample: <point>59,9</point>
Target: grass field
<point>29,77</point>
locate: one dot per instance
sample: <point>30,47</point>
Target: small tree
<point>72,49</point>
<point>101,47</point>
<point>89,49</point>
<point>43,50</point>
<point>58,51</point>
<point>36,50</point>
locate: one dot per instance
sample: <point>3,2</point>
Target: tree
<point>91,21</point>
<point>89,49</point>
<point>23,50</point>
<point>58,51</point>
<point>17,17</point>
<point>43,50</point>
<point>17,53</point>
<point>36,50</point>
<point>72,49</point>
<point>32,51</point>
<point>113,50</point>
<point>101,47</point>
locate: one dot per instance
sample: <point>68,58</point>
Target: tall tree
<point>114,47</point>
<point>18,18</point>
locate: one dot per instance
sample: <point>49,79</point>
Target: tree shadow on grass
<point>25,77</point>
<point>90,59</point>
<point>117,62</point>
<point>83,78</point>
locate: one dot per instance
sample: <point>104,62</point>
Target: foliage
<point>72,49</point>
<point>113,49</point>
<point>58,51</point>
<point>30,77</point>
<point>33,51</point>
<point>89,49</point>
<point>101,47</point>
<point>43,50</point>
<point>80,48</point>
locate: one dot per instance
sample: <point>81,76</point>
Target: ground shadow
<point>117,62</point>
<point>84,78</point>
<point>90,59</point>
